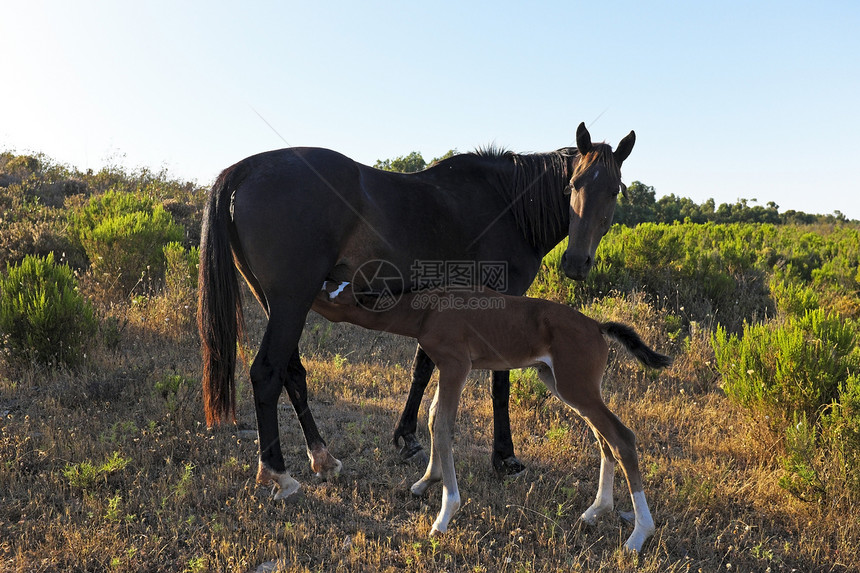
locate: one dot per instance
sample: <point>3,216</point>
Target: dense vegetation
<point>750,444</point>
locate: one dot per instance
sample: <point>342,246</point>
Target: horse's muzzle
<point>576,267</point>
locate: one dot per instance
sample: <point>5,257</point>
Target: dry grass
<point>185,500</point>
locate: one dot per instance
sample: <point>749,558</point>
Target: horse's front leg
<point>422,370</point>
<point>323,463</point>
<point>505,462</point>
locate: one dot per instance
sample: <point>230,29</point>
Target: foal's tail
<point>631,341</point>
<point>219,305</point>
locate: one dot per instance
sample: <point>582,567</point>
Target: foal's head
<point>593,189</point>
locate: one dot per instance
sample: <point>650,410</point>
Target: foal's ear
<point>625,146</point>
<point>583,139</point>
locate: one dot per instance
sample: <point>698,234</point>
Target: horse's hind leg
<point>422,370</point>
<point>276,366</point>
<point>268,374</point>
<point>322,462</point>
<point>622,445</point>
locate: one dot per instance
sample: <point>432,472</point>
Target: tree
<point>638,206</point>
<point>410,163</point>
<point>403,164</point>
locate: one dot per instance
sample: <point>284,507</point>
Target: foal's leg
<point>603,502</point>
<point>422,370</point>
<point>622,443</point>
<point>452,378</point>
<point>433,473</point>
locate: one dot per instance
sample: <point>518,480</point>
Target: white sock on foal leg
<point>604,502</point>
<point>644,523</point>
<point>450,505</point>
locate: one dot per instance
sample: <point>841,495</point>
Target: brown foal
<point>462,331</point>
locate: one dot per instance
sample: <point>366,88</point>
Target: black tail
<point>631,341</point>
<point>219,304</point>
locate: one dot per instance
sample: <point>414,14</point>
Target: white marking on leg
<point>603,502</point>
<point>418,488</point>
<point>331,472</point>
<point>644,523</point>
<point>285,485</point>
<point>450,505</point>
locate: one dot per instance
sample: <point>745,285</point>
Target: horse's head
<point>593,190</point>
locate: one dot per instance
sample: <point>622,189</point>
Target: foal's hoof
<point>412,452</point>
<point>509,467</point>
<point>436,533</point>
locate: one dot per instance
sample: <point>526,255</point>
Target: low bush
<point>778,369</point>
<point>124,237</point>
<point>43,318</point>
<point>800,373</point>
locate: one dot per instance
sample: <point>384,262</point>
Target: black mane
<point>533,185</point>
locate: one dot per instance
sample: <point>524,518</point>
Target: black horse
<point>293,218</point>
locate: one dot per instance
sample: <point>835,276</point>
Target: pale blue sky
<point>728,99</point>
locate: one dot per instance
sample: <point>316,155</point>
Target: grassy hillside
<point>107,463</point>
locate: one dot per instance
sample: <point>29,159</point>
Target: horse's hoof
<point>286,487</point>
<point>413,452</point>
<point>509,467</point>
<point>331,472</point>
<point>323,464</point>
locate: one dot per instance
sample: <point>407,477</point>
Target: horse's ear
<point>583,139</point>
<point>625,146</point>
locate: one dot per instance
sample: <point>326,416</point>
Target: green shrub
<point>124,237</point>
<point>801,374</point>
<point>180,274</point>
<point>86,475</point>
<point>792,298</point>
<point>842,429</point>
<point>43,318</point>
<point>778,369</point>
<point>802,459</point>
<point>110,204</point>
<point>527,388</point>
